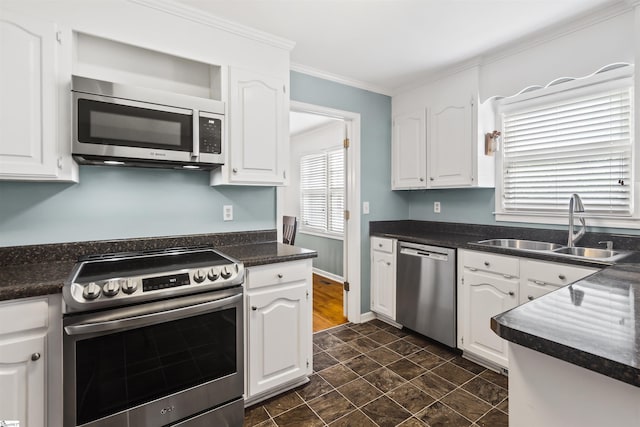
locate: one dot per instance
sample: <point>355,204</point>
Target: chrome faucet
<point>575,205</point>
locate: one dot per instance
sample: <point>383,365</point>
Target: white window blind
<point>322,191</point>
<point>578,145</point>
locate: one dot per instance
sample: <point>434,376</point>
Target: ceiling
<point>385,45</point>
<point>304,122</point>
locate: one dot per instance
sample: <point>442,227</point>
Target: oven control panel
<point>92,291</point>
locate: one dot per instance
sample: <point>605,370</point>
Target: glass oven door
<point>153,364</point>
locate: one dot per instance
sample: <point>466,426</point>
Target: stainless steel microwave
<point>118,124</point>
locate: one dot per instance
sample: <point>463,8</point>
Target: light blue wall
<point>375,154</point>
<point>114,203</point>
<point>330,252</point>
<point>475,206</point>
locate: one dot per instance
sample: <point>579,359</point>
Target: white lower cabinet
<point>28,362</point>
<point>490,284</point>
<point>278,327</point>
<point>487,295</point>
<point>383,277</point>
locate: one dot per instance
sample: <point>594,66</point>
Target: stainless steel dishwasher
<point>426,291</point>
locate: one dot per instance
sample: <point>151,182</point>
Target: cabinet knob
<point>511,293</point>
<point>486,263</point>
<point>530,298</point>
<point>431,178</point>
<point>421,179</point>
<point>388,263</point>
<point>254,308</point>
<point>561,276</point>
<point>379,245</point>
<point>234,170</point>
<point>280,276</point>
<point>35,356</point>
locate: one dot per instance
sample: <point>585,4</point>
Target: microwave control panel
<point>210,134</point>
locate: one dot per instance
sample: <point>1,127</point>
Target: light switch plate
<point>227,212</point>
<point>365,208</point>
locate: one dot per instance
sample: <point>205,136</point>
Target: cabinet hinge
<point>59,162</point>
<point>462,340</point>
<point>59,36</point>
<point>307,294</point>
<point>307,363</point>
<point>462,280</point>
<point>346,143</point>
<point>284,88</point>
<point>346,286</point>
<point>473,102</point>
<point>347,215</point>
<point>284,174</point>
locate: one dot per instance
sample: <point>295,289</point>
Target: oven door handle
<point>150,318</point>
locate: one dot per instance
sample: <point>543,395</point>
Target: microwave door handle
<point>195,153</point>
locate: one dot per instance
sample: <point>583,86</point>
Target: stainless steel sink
<point>587,252</point>
<point>527,245</point>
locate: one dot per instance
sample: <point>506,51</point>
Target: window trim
<point>615,78</point>
<point>312,230</point>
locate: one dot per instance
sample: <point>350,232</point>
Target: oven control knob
<point>199,276</point>
<point>91,291</point>
<point>128,286</point>
<point>110,288</point>
<point>225,273</point>
<point>213,274</point>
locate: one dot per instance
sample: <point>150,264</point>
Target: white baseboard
<point>365,317</point>
<point>388,321</point>
<point>328,275</point>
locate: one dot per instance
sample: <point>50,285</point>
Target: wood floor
<point>327,303</point>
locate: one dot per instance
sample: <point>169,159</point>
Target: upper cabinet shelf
<point>438,137</point>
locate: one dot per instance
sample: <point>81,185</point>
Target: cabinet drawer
<point>546,273</point>
<point>498,264</point>
<point>383,245</point>
<point>16,316</point>
<point>275,274</point>
<point>531,290</point>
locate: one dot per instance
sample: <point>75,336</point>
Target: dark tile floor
<point>372,374</point>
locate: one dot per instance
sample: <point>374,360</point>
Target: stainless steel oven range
<point>154,339</point>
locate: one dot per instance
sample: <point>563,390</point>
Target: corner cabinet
<point>35,100</point>
<point>490,284</point>
<point>29,364</point>
<point>278,328</point>
<point>258,138</point>
<point>438,135</point>
<point>383,277</point>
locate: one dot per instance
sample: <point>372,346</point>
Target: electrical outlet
<point>227,212</point>
<point>365,208</point>
<point>436,207</point>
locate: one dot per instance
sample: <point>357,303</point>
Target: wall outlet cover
<point>227,212</point>
<point>365,208</point>
<point>436,207</point>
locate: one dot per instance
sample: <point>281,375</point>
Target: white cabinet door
<point>450,146</point>
<point>409,157</point>
<point>34,143</point>
<point>22,380</point>
<point>383,283</point>
<point>278,320</point>
<point>486,296</point>
<point>258,137</point>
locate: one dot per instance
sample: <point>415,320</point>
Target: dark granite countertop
<point>28,271</point>
<point>593,323</point>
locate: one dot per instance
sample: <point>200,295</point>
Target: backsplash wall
<point>115,203</point>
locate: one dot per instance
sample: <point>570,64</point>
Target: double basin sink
<point>575,251</point>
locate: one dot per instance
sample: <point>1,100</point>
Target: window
<point>575,140</point>
<point>322,192</point>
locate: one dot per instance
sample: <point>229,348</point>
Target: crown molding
<point>439,73</point>
<point>196,15</point>
<point>299,68</point>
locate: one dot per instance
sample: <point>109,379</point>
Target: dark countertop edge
<point>284,258</point>
<point>602,365</point>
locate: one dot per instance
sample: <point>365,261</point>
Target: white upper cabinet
<point>258,137</point>
<point>408,151</point>
<point>450,143</point>
<point>450,147</point>
<point>34,130</point>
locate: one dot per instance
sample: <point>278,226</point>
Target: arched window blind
<point>579,144</point>
<point>322,191</point>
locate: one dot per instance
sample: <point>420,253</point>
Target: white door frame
<point>352,255</point>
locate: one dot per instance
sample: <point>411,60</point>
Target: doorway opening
<point>323,195</point>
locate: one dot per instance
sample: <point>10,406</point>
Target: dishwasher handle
<point>424,254</point>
